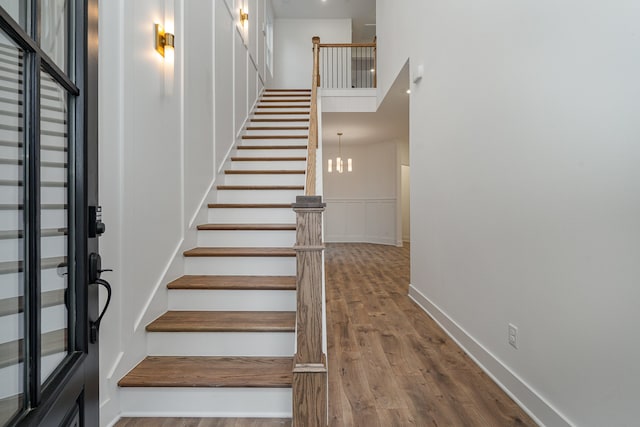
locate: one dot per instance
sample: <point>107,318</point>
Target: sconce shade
<point>163,39</point>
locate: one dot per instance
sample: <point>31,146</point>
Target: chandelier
<point>339,159</point>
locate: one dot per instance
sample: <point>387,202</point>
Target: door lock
<point>95,270</point>
<point>96,226</point>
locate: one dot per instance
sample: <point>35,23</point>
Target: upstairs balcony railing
<point>347,65</point>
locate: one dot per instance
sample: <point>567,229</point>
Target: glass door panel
<point>54,186</point>
<point>54,31</point>
<point>18,9</point>
<point>12,254</point>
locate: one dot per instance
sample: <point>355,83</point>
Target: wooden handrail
<point>347,45</point>
<point>310,187</point>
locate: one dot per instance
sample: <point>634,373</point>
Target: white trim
<point>542,412</point>
<point>159,283</point>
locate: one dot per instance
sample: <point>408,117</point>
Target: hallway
<point>389,363</point>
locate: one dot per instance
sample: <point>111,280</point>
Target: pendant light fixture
<point>339,159</point>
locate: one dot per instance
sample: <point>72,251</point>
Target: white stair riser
<point>277,124</point>
<point>50,174</point>
<point>13,194</point>
<point>235,266</point>
<point>11,285</point>
<point>280,110</point>
<point>292,93</point>
<point>252,215</point>
<point>246,238</point>
<point>264,179</point>
<point>258,196</point>
<point>13,153</point>
<point>11,172</point>
<point>11,378</point>
<point>206,402</point>
<point>253,344</point>
<point>269,141</point>
<point>232,300</point>
<point>277,132</point>
<point>279,115</point>
<point>284,99</point>
<point>12,249</point>
<point>269,165</point>
<point>288,152</point>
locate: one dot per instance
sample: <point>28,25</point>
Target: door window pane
<point>11,230</point>
<point>17,9</point>
<point>54,186</point>
<point>55,30</point>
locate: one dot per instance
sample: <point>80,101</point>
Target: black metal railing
<point>348,65</point>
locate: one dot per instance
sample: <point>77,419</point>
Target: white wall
<point>161,146</point>
<point>524,142</point>
<point>362,205</point>
<point>293,54</point>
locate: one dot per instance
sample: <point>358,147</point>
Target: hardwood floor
<point>389,362</point>
<point>202,422</point>
<point>390,365</point>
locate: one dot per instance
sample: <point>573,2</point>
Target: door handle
<point>95,270</point>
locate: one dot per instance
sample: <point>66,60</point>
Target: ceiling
<point>361,12</point>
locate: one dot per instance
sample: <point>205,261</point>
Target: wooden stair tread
<point>264,172</point>
<point>287,90</point>
<point>269,95</point>
<point>280,283</point>
<point>277,127</point>
<point>210,371</point>
<point>275,136</point>
<point>224,321</point>
<point>284,106</point>
<point>287,100</point>
<point>267,159</point>
<point>249,227</point>
<point>272,147</point>
<point>260,187</point>
<point>279,120</point>
<point>275,113</point>
<point>250,205</point>
<point>240,252</point>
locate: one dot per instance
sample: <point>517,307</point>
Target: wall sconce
<point>244,16</point>
<point>164,40</point>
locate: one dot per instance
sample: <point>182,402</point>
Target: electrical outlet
<point>513,335</point>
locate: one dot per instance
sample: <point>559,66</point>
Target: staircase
<point>225,346</point>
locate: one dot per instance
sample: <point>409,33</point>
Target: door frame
<point>74,391</point>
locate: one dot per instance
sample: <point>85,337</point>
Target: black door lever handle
<point>95,270</point>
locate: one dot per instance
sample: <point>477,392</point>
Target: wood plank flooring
<point>202,422</point>
<point>389,362</point>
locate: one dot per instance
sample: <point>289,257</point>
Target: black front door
<point>48,184</point>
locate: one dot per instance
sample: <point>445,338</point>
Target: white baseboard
<point>542,412</point>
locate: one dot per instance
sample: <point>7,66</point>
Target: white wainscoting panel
<point>361,220</point>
